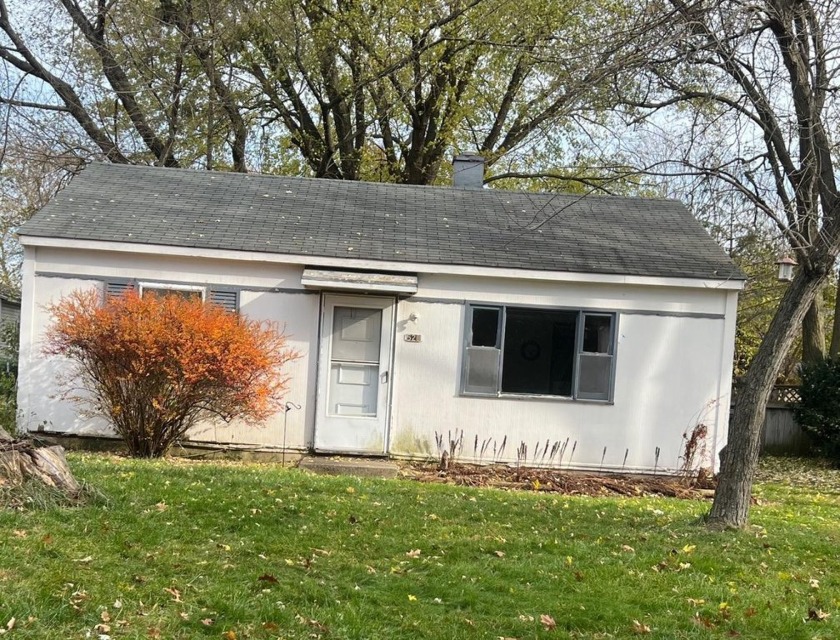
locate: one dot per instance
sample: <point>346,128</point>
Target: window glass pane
<point>161,292</point>
<point>597,334</point>
<point>539,351</point>
<point>594,376</point>
<point>485,327</point>
<point>482,365</point>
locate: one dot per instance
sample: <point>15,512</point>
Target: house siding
<point>673,359</point>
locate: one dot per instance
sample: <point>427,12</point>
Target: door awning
<point>358,281</point>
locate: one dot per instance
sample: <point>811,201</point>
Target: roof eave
<point>722,283</point>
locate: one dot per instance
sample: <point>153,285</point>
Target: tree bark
<point>21,461</point>
<point>739,458</point>
<point>813,333</point>
<point>834,349</point>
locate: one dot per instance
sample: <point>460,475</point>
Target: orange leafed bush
<point>157,365</point>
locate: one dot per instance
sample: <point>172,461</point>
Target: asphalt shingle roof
<point>384,222</point>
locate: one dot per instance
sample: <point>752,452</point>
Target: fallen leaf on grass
<point>267,577</point>
<point>176,595</point>
<point>548,622</point>
<point>500,554</point>
<point>627,548</point>
<point>703,621</point>
<point>818,615</point>
<point>640,628</point>
<point>19,533</point>
<point>154,633</point>
<point>230,634</point>
<point>414,553</point>
<point>102,628</point>
<point>207,622</point>
<point>270,626</point>
<point>77,598</point>
<point>105,616</point>
<point>85,560</point>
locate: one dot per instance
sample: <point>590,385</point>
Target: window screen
<point>483,352</point>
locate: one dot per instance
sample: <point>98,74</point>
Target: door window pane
<point>356,334</point>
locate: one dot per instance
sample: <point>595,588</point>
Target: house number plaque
<point>413,337</point>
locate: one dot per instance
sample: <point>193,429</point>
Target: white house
<point>595,328</point>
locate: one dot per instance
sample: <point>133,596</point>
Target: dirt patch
<point>567,483</point>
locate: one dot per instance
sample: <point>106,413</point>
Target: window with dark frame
<point>532,351</point>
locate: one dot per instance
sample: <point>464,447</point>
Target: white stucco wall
<point>673,358</point>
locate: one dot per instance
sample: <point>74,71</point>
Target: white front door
<point>354,374</point>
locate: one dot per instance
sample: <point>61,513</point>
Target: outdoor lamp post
<point>786,265</point>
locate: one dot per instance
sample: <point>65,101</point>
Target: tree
<point>758,83</point>
<point>125,77</point>
<point>30,174</point>
<point>154,366</point>
<point>350,89</point>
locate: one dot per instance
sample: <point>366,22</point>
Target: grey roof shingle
<point>383,222</point>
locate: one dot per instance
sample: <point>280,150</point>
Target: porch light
<point>786,265</point>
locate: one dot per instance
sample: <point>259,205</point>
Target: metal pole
<point>289,407</point>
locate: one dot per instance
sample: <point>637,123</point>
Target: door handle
<point>383,377</point>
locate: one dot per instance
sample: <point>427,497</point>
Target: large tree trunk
<point>813,333</point>
<point>739,458</point>
<point>834,349</point>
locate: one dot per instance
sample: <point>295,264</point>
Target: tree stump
<point>20,461</point>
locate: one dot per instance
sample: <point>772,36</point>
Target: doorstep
<point>347,466</point>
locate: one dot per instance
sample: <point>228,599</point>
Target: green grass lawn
<point>203,550</point>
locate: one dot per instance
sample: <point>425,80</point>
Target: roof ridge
<point>400,185</point>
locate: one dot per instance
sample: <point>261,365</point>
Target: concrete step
<point>348,466</point>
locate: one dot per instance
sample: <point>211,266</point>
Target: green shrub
<point>8,402</point>
<point>819,411</point>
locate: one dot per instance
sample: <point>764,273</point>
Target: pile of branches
<point>567,483</point>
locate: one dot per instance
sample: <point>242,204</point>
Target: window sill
<point>535,396</point>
